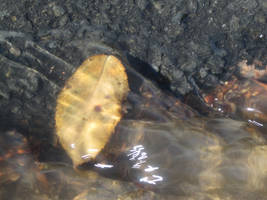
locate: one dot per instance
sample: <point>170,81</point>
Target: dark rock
<point>210,81</point>
<point>215,64</point>
<point>203,73</point>
<point>189,66</point>
<point>195,38</point>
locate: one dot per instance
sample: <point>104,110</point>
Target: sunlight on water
<point>160,149</point>
<point>183,159</point>
<point>175,155</point>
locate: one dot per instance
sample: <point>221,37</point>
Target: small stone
<point>234,23</point>
<point>155,67</point>
<point>189,66</point>
<point>14,18</point>
<point>63,20</point>
<point>215,64</point>
<point>202,72</point>
<point>3,13</point>
<point>142,4</point>
<point>15,51</point>
<point>4,94</point>
<point>176,75</point>
<point>176,19</point>
<point>159,6</point>
<point>211,81</point>
<point>181,86</point>
<point>58,11</point>
<point>260,18</point>
<point>52,45</point>
<point>263,3</point>
<point>192,6</point>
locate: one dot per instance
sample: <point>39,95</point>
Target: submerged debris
<point>89,107</point>
<point>159,149</point>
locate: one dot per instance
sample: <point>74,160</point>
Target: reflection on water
<point>161,149</point>
<point>174,155</point>
<point>217,158</point>
<point>140,157</point>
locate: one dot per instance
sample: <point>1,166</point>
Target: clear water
<point>161,149</point>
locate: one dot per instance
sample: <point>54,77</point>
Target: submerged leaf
<point>89,107</point>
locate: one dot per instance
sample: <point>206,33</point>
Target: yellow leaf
<point>89,107</point>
